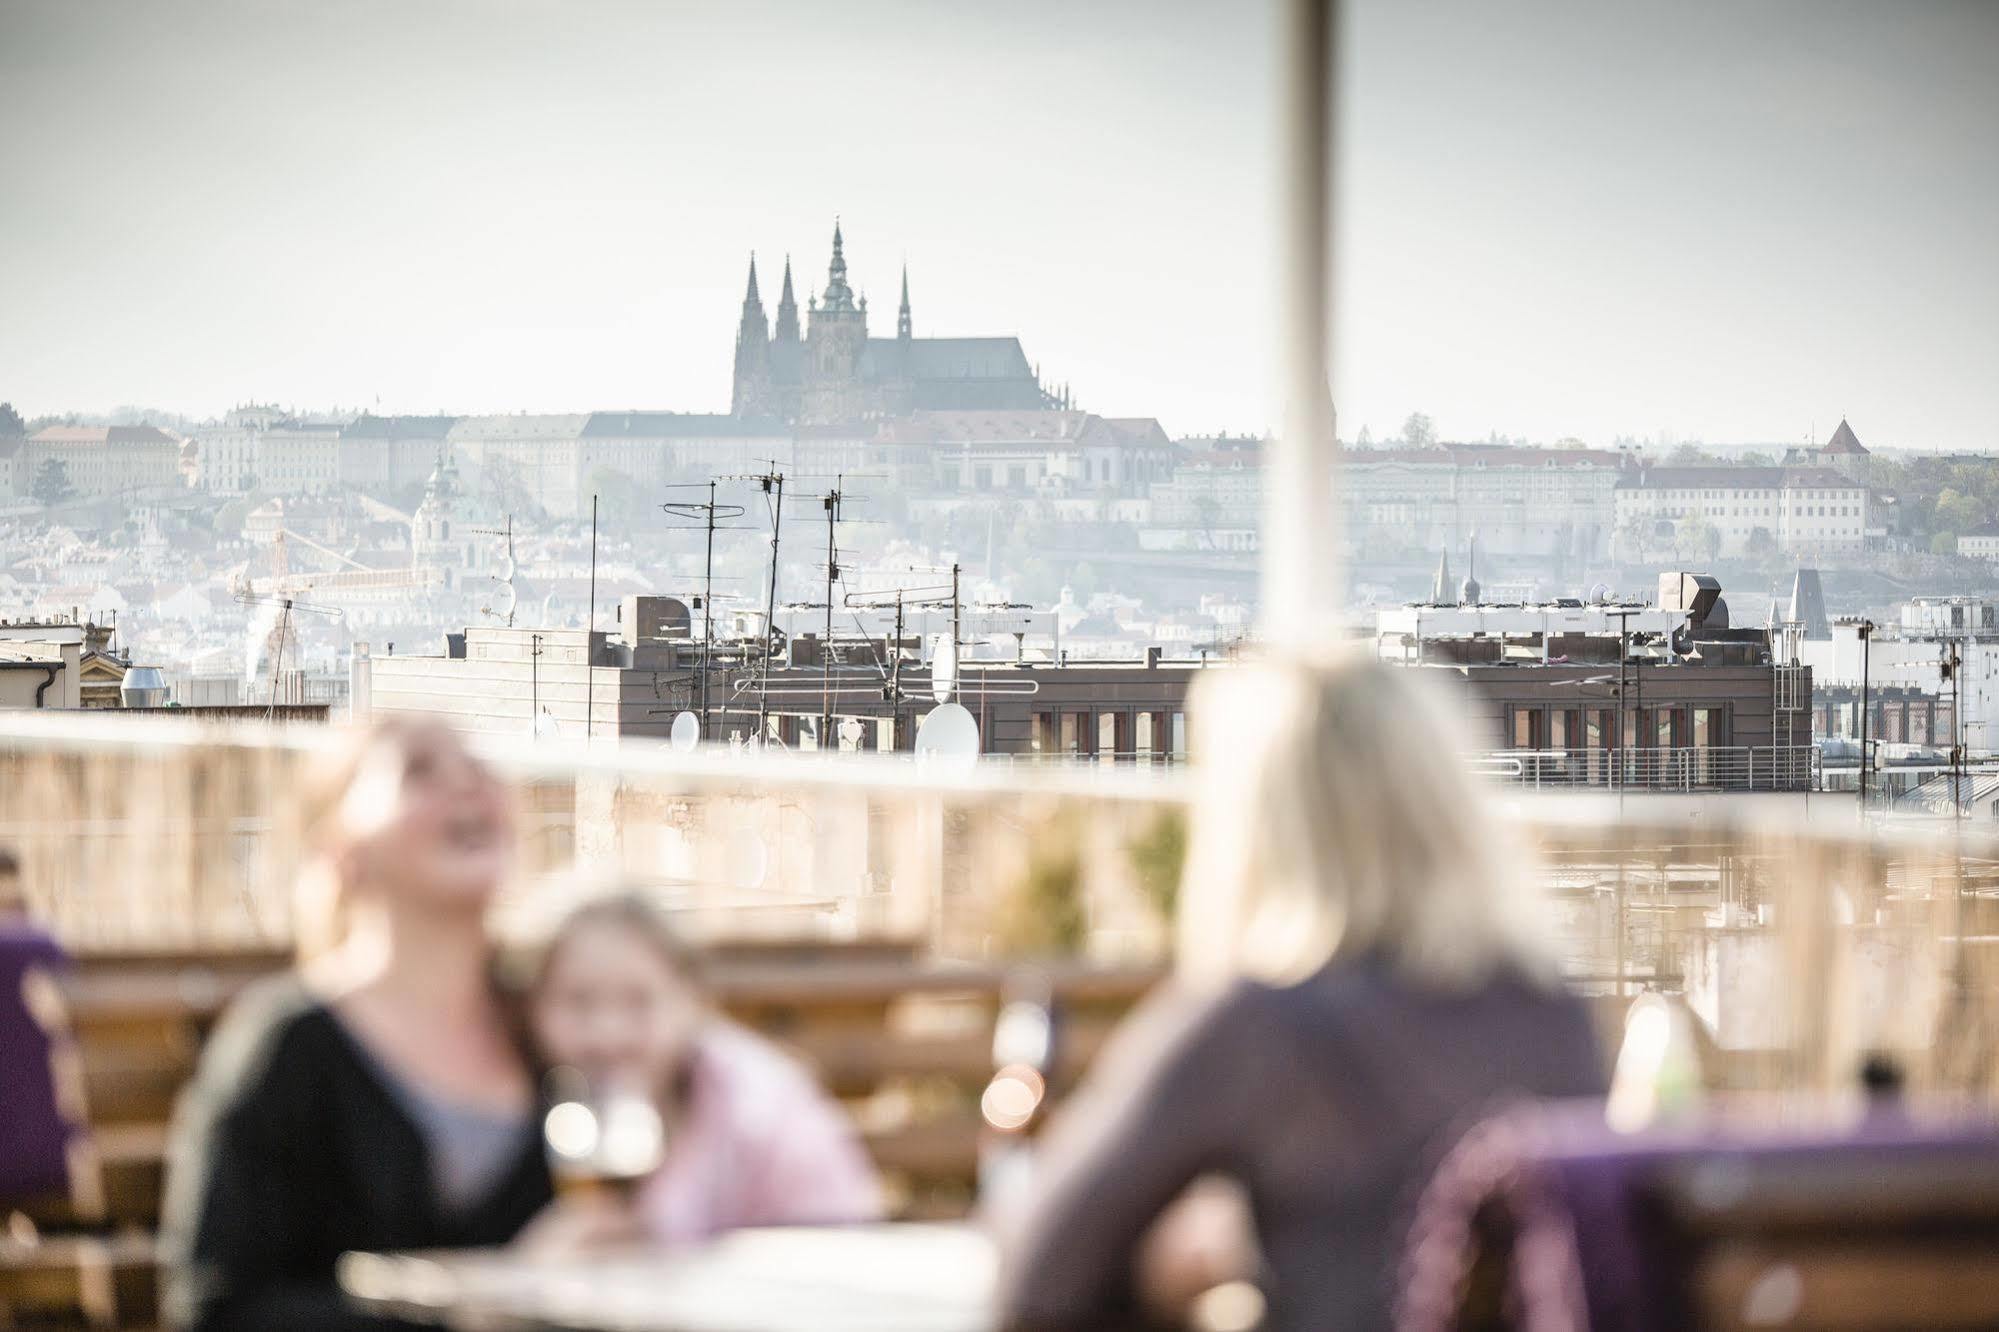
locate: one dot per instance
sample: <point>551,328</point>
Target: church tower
<point>903,329</point>
<point>752,387</point>
<point>787,310</point>
<point>836,337</point>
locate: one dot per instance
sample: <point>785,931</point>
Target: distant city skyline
<point>1556,220</point>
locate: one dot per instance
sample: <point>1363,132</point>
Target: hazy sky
<point>1724,220</point>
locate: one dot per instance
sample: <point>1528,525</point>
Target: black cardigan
<point>289,1151</point>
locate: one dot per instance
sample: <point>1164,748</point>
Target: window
<point>1107,736</point>
<point>1041,733</point>
<point>1072,725</point>
<point>1526,728</point>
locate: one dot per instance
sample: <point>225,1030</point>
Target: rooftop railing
<point>1801,944</point>
<point>1675,768</point>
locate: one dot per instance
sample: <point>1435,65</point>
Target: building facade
<point>100,461</point>
<point>1524,502</point>
<point>1809,512</point>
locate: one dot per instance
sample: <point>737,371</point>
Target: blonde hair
<point>1336,817</point>
<point>319,899</point>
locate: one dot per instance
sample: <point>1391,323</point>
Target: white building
<point>1212,501</point>
<point>1808,512</point>
<point>1540,502</point>
<point>382,455</point>
<point>103,460</point>
<point>1981,543</point>
<point>1035,454</point>
<point>526,459</point>
<point>1912,653</point>
<point>298,457</point>
<point>225,454</point>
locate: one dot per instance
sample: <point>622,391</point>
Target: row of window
<point>1599,728</point>
<point>1109,735</point>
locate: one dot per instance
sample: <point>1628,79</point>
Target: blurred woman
<point>750,1139</point>
<point>377,1098</point>
<point>1362,972</point>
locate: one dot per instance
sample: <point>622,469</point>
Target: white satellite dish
<point>544,724</point>
<point>686,732</point>
<point>944,669</point>
<point>949,734</point>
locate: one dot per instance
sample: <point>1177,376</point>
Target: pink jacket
<point>759,1145</point>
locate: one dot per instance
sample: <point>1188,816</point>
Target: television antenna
<point>509,596</point>
<point>709,511</point>
<point>282,630</point>
<point>771,482</point>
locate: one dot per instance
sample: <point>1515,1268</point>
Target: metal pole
<point>534,686</point>
<point>826,644</point>
<point>590,634</point>
<point>955,635</point>
<point>708,611</point>
<point>895,681</point>
<point>1301,578</point>
<point>1866,629</point>
<point>774,485</point>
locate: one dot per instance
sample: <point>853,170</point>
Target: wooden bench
<point>1853,1242</point>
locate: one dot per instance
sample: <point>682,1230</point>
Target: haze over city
<point>1705,222</point>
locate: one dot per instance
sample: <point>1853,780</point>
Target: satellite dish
<point>944,669</point>
<point>545,724</point>
<point>686,732</point>
<point>948,734</point>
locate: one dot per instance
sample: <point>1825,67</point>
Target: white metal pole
<point>1302,582</point>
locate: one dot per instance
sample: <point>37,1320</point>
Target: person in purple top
<point>1363,973</point>
<point>37,1128</point>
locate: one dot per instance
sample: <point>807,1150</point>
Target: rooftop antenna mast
<point>772,484</point>
<point>707,512</point>
<point>283,630</point>
<point>832,504</point>
<point>506,580</point>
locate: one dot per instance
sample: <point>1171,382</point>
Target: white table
<point>883,1278</point>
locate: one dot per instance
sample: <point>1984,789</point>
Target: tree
<point>51,485</point>
<point>1943,543</point>
<point>11,424</point>
<point>1761,542</point>
<point>1757,459</point>
<point>621,501</point>
<point>1697,539</point>
<point>1365,439</point>
<point>1419,431</point>
<point>1206,512</point>
<point>1689,455</point>
<point>1957,511</point>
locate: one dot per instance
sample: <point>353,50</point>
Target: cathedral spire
<point>753,331</point>
<point>752,342</point>
<point>839,296</point>
<point>787,309</point>
<point>902,324</point>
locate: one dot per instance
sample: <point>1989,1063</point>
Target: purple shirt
<point>34,1135</point>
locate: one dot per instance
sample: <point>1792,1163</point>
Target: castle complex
<point>832,372</point>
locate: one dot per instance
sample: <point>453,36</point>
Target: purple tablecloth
<point>34,1138</point>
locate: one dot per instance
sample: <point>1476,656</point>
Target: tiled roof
<point>103,435</point>
<point>1723,477</point>
<point>1844,441</point>
<point>398,427</point>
